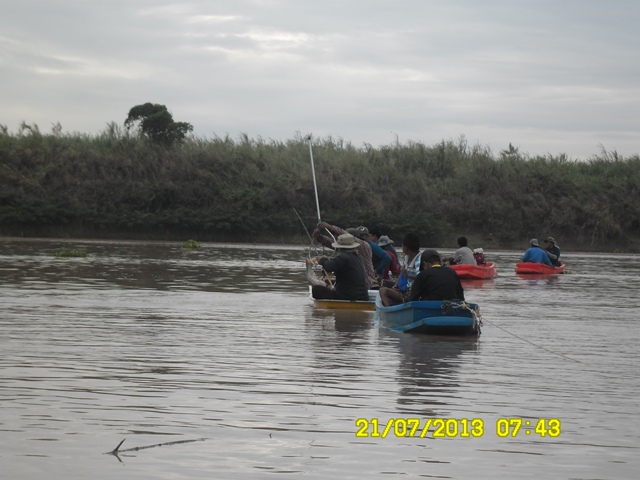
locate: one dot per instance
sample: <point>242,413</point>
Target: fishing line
<point>531,343</point>
<point>303,225</point>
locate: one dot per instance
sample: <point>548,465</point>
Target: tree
<point>154,122</point>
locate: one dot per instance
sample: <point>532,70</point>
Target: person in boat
<point>373,282</point>
<point>478,254</point>
<point>376,236</point>
<point>536,254</point>
<point>435,281</point>
<point>408,272</point>
<point>348,267</point>
<point>553,251</point>
<point>380,258</point>
<point>463,255</point>
<point>392,270</point>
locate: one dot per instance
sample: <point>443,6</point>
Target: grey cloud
<point>557,77</point>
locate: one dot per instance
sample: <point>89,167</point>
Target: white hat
<point>478,250</point>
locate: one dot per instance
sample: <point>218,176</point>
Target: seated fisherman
<point>363,247</point>
<point>463,255</point>
<point>409,271</point>
<point>392,270</point>
<point>349,270</point>
<point>379,257</point>
<point>435,281</point>
<point>553,251</point>
<point>536,254</point>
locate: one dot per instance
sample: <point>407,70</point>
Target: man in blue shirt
<point>536,254</point>
<point>380,258</point>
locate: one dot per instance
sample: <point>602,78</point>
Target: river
<point>215,359</point>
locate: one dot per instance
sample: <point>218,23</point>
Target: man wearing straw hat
<point>364,248</point>
<point>349,270</point>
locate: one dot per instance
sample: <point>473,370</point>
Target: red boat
<point>476,272</point>
<point>538,268</point>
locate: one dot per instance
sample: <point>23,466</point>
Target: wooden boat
<point>346,304</point>
<point>538,268</point>
<point>448,317</point>
<point>476,272</point>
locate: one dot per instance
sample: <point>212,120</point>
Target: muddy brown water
<point>218,355</point>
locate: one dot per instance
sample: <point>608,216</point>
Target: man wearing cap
<point>553,251</point>
<point>536,254</point>
<point>380,258</point>
<point>435,281</point>
<point>349,270</point>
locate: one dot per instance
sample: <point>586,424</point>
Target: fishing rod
<point>303,225</point>
<point>313,174</point>
<point>312,245</point>
<point>315,187</point>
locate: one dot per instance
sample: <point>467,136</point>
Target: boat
<point>441,317</point>
<point>538,268</point>
<point>346,304</point>
<point>476,272</point>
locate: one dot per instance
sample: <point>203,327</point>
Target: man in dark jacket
<point>348,267</point>
<point>435,282</point>
<point>553,251</point>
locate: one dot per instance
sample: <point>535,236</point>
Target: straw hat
<point>346,241</point>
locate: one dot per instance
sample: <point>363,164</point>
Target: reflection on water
<point>156,344</point>
<point>427,370</point>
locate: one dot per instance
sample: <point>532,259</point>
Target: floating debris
<point>70,252</point>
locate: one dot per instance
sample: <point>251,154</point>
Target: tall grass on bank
<point>220,189</point>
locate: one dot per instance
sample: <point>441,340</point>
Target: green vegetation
<point>70,252</point>
<point>191,244</point>
<point>119,185</point>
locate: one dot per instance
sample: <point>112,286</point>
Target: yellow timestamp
<point>421,428</point>
<point>455,427</point>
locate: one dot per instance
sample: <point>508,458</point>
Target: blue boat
<point>447,317</point>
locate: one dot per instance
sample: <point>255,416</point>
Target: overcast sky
<point>548,76</point>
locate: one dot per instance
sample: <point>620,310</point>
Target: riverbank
<point>118,186</point>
